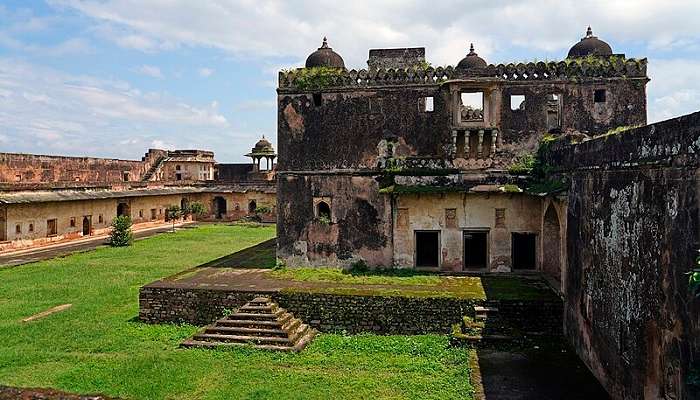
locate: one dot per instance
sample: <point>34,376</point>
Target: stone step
<point>247,323</point>
<point>257,316</point>
<point>246,331</point>
<point>482,313</point>
<point>269,308</point>
<point>213,337</point>
<point>203,344</point>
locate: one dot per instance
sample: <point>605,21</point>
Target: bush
<point>359,267</point>
<point>173,212</point>
<point>121,234</point>
<point>263,209</point>
<point>196,209</point>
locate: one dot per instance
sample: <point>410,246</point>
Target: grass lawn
<point>98,346</point>
<point>407,282</point>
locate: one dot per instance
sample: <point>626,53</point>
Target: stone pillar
<point>467,139</point>
<point>494,138</point>
<point>453,150</point>
<point>479,148</point>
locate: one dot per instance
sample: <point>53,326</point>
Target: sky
<point>111,78</point>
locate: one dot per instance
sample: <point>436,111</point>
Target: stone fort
<point>547,167</point>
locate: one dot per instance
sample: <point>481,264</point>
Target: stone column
<point>494,138</point>
<point>479,148</point>
<point>453,150</point>
<point>467,139</point>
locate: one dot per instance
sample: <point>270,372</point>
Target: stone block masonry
<point>346,313</point>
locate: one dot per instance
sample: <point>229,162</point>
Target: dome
<point>590,46</point>
<point>325,57</point>
<point>263,146</point>
<point>472,60</point>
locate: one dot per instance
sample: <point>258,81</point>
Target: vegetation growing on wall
<point>316,78</point>
<point>617,131</point>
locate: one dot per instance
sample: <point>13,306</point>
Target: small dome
<point>263,146</point>
<point>590,46</point>
<point>472,60</point>
<point>325,57</point>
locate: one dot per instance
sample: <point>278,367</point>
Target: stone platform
<point>202,295</point>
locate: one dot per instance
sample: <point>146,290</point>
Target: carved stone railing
<point>614,67</point>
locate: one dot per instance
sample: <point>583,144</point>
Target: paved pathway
<point>60,249</point>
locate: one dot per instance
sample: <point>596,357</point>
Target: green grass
<point>98,346</point>
<point>406,282</point>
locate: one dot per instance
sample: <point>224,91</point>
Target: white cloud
<point>674,89</point>
<point>205,72</point>
<point>295,28</point>
<point>150,70</point>
<point>48,111</point>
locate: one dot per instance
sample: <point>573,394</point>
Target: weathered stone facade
<point>402,152</point>
<point>633,234</point>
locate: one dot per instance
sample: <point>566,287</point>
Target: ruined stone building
<point>424,176</point>
<point>45,199</point>
<point>541,166</point>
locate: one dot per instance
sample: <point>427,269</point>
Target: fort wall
<point>633,235</point>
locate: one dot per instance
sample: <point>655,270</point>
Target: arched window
<point>323,210</point>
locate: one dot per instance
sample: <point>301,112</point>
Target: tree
<point>173,213</point>
<point>121,234</point>
<point>196,209</point>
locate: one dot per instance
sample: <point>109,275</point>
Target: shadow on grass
<point>262,255</point>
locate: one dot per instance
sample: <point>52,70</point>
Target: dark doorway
<point>252,206</point>
<point>87,225</point>
<point>475,249</point>
<point>524,253</point>
<point>220,207</point>
<point>123,209</point>
<point>427,249</point>
<point>184,204</point>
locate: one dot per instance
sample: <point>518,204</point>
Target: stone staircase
<point>484,327</point>
<point>261,324</point>
<point>155,167</point>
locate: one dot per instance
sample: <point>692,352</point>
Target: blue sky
<point>112,78</point>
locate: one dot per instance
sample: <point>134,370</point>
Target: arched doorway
<point>87,225</point>
<point>551,243</point>
<point>123,209</point>
<point>219,207</point>
<point>252,206</point>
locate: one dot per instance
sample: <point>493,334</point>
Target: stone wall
<point>31,168</point>
<point>349,313</point>
<point>632,236</point>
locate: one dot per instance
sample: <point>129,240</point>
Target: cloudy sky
<point>112,78</point>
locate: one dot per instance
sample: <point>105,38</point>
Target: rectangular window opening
<point>599,96</point>
<point>126,177</point>
<point>517,102</point>
<point>72,222</point>
<point>429,104</point>
<point>427,248</point>
<point>554,113</point>
<point>475,249</point>
<point>18,229</point>
<point>154,213</point>
<point>472,106</point>
<point>524,250</point>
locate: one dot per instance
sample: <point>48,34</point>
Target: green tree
<point>173,213</point>
<point>197,209</point>
<point>121,233</point>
